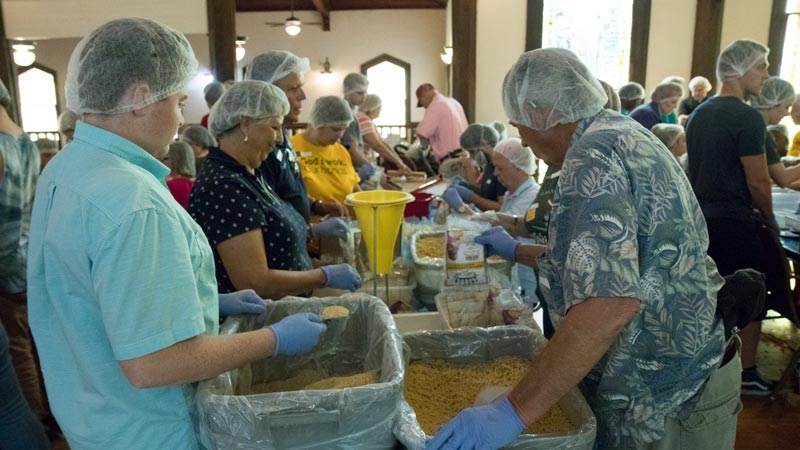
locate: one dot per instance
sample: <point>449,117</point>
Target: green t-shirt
<point>538,215</point>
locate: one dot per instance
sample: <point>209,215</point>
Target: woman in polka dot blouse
<point>259,240</point>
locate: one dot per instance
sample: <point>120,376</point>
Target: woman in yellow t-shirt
<point>325,164</point>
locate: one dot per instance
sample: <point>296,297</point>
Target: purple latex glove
<point>487,427</point>
<point>331,227</point>
<point>497,241</point>
<point>241,302</point>
<point>297,334</point>
<point>341,276</point>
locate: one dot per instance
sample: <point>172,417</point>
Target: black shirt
<point>282,173</point>
<point>689,104</point>
<point>491,189</point>
<point>719,132</point>
<point>227,201</point>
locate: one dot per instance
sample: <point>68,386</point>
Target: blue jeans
<point>19,428</point>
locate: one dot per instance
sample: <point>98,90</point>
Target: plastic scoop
<point>490,394</point>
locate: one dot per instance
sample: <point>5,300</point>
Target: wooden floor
<point>764,424</point>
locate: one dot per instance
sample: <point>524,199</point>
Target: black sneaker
<point>754,384</point>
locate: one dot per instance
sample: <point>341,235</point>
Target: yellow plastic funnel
<point>379,214</point>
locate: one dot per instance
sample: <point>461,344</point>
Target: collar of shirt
<point>125,149</point>
<point>226,160</point>
<point>583,125</point>
<point>524,187</point>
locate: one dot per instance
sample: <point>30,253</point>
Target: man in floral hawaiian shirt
<point>631,290</point>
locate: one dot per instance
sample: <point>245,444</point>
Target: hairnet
<point>698,81</point>
<point>667,132</point>
<point>5,96</point>
<point>631,91</point>
<point>774,92</point>
<point>46,146</point>
<point>371,103</point>
<point>478,136</point>
<point>124,53</point>
<point>500,127</point>
<point>213,91</point>
<point>198,135</point>
<point>67,120</point>
<point>673,79</point>
<point>549,86</point>
<point>666,91</point>
<point>355,82</point>
<point>331,111</point>
<point>252,98</point>
<point>780,128</point>
<point>274,65</point>
<point>613,102</point>
<point>738,58</point>
<point>180,158</point>
<point>521,157</point>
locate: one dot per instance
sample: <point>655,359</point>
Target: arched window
<point>390,79</point>
<point>39,101</point>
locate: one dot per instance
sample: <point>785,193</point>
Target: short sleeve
<point>752,139</point>
<point>225,208</point>
<point>145,285</point>
<point>597,245</point>
<point>430,121</point>
<point>771,148</point>
<point>365,124</point>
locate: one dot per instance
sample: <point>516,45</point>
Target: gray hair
<point>198,135</point>
<point>665,91</point>
<point>700,80</point>
<point>181,159</point>
<point>668,133</point>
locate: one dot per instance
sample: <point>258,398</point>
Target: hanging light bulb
<point>23,54</point>
<point>240,51</point>
<point>447,56</point>
<point>293,26</point>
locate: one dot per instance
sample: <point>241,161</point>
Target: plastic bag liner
<point>353,418</point>
<point>471,346</point>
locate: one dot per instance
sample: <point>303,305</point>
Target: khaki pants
<point>712,424</point>
<point>14,315</point>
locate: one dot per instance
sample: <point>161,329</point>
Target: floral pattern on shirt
<point>625,223</point>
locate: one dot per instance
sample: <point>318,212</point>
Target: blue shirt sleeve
<point>145,284</point>
<point>597,228</point>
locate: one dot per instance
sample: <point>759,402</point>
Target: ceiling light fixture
<point>23,54</point>
<point>447,56</point>
<point>292,26</point>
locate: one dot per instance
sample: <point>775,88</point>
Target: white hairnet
<point>631,91</point>
<point>500,127</point>
<point>774,92</point>
<point>5,96</point>
<point>251,98</point>
<point>213,91</point>
<point>274,65</point>
<point>738,58</point>
<point>550,86</point>
<point>371,103</point>
<point>198,135</point>
<point>479,136</point>
<point>666,91</point>
<point>673,79</point>
<point>521,157</point>
<point>123,53</point>
<point>698,80</point>
<point>331,111</point>
<point>668,133</point>
<point>780,128</point>
<point>355,82</point>
<point>67,120</point>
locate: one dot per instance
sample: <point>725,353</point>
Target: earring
<point>245,138</point>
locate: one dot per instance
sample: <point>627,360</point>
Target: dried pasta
<point>438,391</point>
<point>430,247</point>
<point>310,379</point>
<point>334,312</point>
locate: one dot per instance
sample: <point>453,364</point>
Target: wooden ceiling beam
<point>324,9</point>
<point>336,5</point>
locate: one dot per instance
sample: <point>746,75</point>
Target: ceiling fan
<point>292,23</point>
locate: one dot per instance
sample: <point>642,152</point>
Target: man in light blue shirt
<point>123,300</point>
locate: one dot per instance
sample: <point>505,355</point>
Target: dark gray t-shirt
<point>720,132</point>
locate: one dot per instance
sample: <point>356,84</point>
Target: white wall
<point>414,36</point>
<point>500,41</point>
<point>669,49</point>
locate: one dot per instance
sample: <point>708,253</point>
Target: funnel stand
<point>375,251</point>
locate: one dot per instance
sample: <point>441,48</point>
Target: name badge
<point>305,154</point>
<point>530,214</point>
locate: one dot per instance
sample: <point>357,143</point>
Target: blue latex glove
<point>459,181</point>
<point>453,199</point>
<point>297,334</point>
<point>365,171</point>
<point>241,302</point>
<point>497,241</point>
<point>331,227</point>
<point>341,276</point>
<point>486,427</point>
<point>464,192</point>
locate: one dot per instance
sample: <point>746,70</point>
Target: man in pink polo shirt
<point>443,122</point>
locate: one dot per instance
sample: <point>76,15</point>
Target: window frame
<point>385,57</point>
<point>36,65</point>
